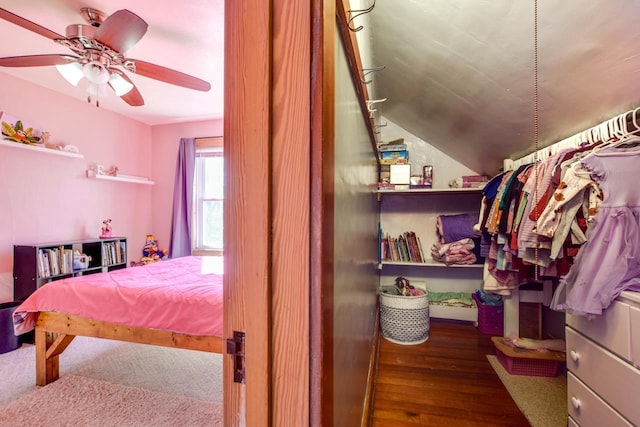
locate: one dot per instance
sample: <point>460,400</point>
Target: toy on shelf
<point>107,231</point>
<point>17,133</point>
<point>151,253</point>
<point>112,171</point>
<point>80,260</point>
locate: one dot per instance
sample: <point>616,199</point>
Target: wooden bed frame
<point>55,331</point>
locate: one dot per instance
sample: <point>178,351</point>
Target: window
<point>208,195</point>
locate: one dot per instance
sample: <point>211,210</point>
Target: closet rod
<point>621,125</point>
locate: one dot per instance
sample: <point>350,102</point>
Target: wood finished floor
<point>446,381</point>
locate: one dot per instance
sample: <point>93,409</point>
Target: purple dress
<point>609,262</point>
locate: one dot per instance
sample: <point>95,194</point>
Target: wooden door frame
<point>322,211</point>
<point>247,208</point>
<point>267,136</point>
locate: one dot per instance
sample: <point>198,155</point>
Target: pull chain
<point>536,134</point>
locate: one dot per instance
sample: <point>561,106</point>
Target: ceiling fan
<point>99,54</point>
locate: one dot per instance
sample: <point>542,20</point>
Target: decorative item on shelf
<point>69,148</point>
<point>17,133</point>
<point>427,175</point>
<point>112,171</point>
<point>151,253</point>
<point>80,260</point>
<point>107,231</point>
<point>96,169</point>
<point>45,139</point>
<point>469,181</point>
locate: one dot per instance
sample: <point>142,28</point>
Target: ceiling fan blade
<point>31,26</point>
<point>133,97</point>
<point>36,60</point>
<point>168,75</point>
<point>121,30</point>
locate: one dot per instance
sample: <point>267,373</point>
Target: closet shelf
<point>428,263</point>
<point>40,149</point>
<point>121,178</point>
<point>435,191</point>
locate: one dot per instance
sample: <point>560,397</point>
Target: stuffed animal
<point>151,253</point>
<point>106,229</point>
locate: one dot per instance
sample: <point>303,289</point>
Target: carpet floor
<point>81,401</point>
<point>543,400</point>
<point>177,373</point>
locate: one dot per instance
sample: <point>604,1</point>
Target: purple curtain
<point>183,199</point>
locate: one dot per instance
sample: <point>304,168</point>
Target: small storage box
<point>490,317</point>
<point>8,341</point>
<point>528,362</point>
<point>531,367</point>
<point>405,319</point>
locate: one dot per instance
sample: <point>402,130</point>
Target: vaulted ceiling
<point>460,73</point>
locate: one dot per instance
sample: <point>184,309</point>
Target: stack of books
<point>391,153</point>
<point>404,248</point>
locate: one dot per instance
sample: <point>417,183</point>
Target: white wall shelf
<point>40,149</point>
<point>120,178</point>
<point>428,263</point>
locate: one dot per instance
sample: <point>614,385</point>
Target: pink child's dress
<point>609,262</point>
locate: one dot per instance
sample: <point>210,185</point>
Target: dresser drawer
<point>614,380</point>
<point>587,409</point>
<point>611,329</point>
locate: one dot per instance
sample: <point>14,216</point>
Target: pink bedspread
<point>173,295</point>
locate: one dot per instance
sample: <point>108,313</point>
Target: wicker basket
<point>405,319</point>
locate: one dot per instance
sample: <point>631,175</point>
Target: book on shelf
<point>395,145</point>
<point>55,261</point>
<point>404,248</point>
<point>392,147</point>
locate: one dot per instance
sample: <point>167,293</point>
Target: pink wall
<point>166,140</point>
<point>47,198</point>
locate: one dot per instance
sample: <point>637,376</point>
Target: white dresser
<point>603,360</point>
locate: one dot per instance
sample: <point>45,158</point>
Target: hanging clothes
<point>511,226</point>
<point>609,261</point>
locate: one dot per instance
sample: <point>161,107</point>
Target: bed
<point>174,303</point>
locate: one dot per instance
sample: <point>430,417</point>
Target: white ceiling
<point>186,36</point>
<point>459,73</point>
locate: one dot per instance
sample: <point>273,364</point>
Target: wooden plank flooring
<point>446,381</point>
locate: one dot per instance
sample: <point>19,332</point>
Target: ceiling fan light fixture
<point>119,84</point>
<point>96,72</point>
<point>96,90</point>
<point>72,72</point>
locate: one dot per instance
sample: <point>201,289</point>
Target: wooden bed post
<point>47,369</point>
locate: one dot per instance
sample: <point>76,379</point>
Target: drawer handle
<point>574,355</point>
<point>575,402</point>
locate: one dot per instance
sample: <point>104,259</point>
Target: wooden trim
<point>355,64</point>
<point>207,252</point>
<point>248,207</point>
<point>55,331</point>
<point>290,172</point>
<point>369,398</point>
<point>210,142</point>
<point>322,216</point>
